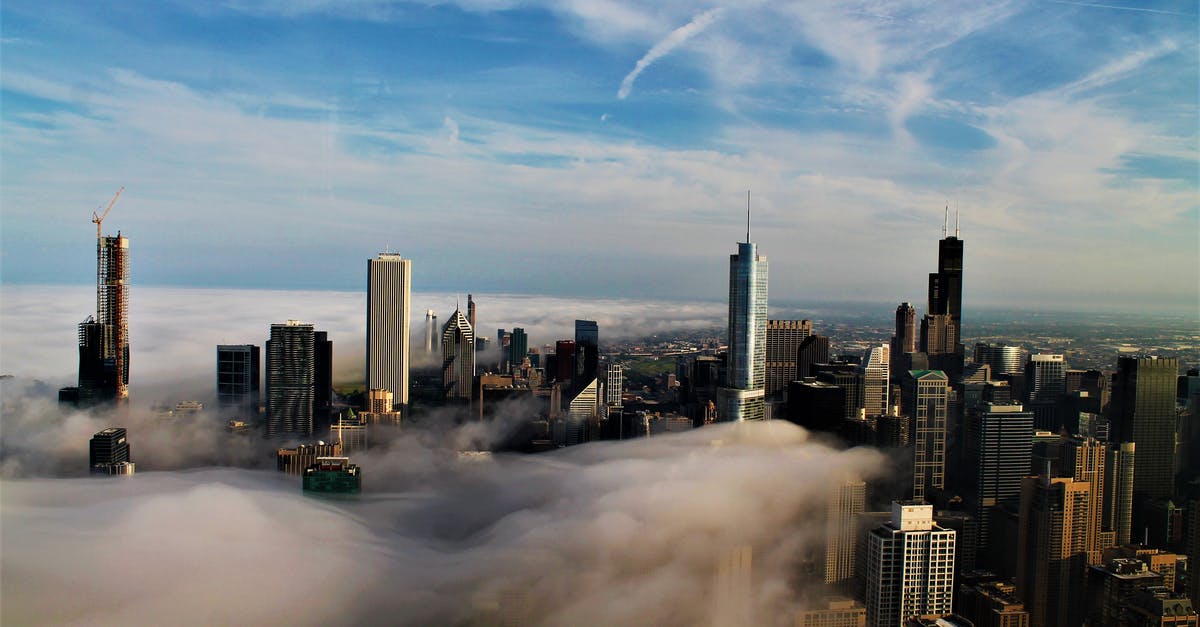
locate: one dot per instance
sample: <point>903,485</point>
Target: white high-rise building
<point>744,395</point>
<point>910,567</point>
<point>430,331</point>
<point>875,370</point>
<point>389,283</point>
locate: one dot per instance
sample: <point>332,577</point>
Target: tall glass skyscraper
<point>389,283</point>
<point>745,389</point>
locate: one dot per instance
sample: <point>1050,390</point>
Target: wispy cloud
<point>672,41</point>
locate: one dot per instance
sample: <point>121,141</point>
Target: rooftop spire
<point>747,216</point>
<point>946,222</point>
<point>956,221</point>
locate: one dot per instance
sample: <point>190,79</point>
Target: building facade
<point>1143,408</point>
<point>744,396</point>
<point>291,359</point>
<point>783,345</point>
<point>876,380</point>
<point>910,567</point>
<point>999,446</point>
<point>389,304</point>
<point>238,375</point>
<point>925,396</point>
<point>458,356</point>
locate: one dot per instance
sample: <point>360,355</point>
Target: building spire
<point>956,231</point>
<point>747,216</point>
<point>946,221</point>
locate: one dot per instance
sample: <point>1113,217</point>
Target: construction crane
<point>98,218</point>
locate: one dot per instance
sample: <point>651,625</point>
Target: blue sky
<point>604,147</point>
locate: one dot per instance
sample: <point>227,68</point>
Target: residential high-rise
<point>813,350</point>
<point>1085,459</point>
<point>744,395</point>
<point>587,351</point>
<point>925,394</point>
<point>108,453</point>
<point>389,286</point>
<point>614,384</point>
<point>910,567</point>
<point>999,445</point>
<point>1118,497</point>
<point>876,380</point>
<point>1143,412</point>
<point>992,604</point>
<point>291,363</point>
<point>1002,358</point>
<point>845,504</point>
<point>458,356</point>
<point>783,345</point>
<point>431,331</point>
<point>1052,549</point>
<point>238,375</point>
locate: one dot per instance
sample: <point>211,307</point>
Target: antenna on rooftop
<point>946,221</point>
<point>747,216</point>
<point>956,231</point>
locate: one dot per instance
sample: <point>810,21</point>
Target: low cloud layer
<point>613,533</point>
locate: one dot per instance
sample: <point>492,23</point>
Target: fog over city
<point>436,538</point>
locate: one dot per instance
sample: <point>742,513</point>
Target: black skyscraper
<point>587,352</point>
<point>107,448</point>
<point>813,350</point>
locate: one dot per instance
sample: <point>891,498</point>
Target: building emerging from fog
<point>389,283</point>
<point>290,377</point>
<point>238,375</point>
<point>744,395</point>
<point>458,356</point>
<point>104,339</point>
<point>108,453</point>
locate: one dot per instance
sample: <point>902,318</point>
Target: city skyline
<point>1076,167</point>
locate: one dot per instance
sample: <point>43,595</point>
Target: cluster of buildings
<point>1031,494</point>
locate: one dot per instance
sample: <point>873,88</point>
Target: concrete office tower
<point>876,383</point>
<point>939,336</point>
<point>1118,495</point>
<point>614,384</point>
<point>291,357</point>
<point>746,377</point>
<point>1045,377</point>
<point>1002,358</point>
<point>431,334</point>
<point>840,532</point>
<point>238,375</point>
<point>925,401</point>
<point>783,346</point>
<point>813,350</point>
<point>587,351</point>
<point>458,357</point>
<point>1085,459</point>
<point>1052,549</point>
<point>999,445</point>
<point>108,453</point>
<point>389,285</point>
<point>1143,411</point>
<point>910,567</point>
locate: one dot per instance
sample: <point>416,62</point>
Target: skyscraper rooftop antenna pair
<point>946,222</point>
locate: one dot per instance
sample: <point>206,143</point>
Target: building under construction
<point>104,338</point>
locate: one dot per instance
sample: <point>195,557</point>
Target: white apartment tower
<point>910,567</point>
<point>876,369</point>
<point>389,283</point>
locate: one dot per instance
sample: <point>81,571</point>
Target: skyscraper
<point>458,356</point>
<point>1045,377</point>
<point>841,535</point>
<point>471,310</point>
<point>940,336</point>
<point>1085,459</point>
<point>1143,409</point>
<point>999,445</point>
<point>924,398</point>
<point>587,351</point>
<point>614,385</point>
<point>813,350</point>
<point>876,380</point>
<point>783,346</point>
<point>564,359</point>
<point>431,334</point>
<point>389,283</point>
<point>1118,497</point>
<point>905,338</point>
<point>1052,549</point>
<point>104,339</point>
<point>518,347</point>
<point>290,377</point>
<point>1002,358</point>
<point>238,375</point>
<point>910,567</point>
<point>745,390</point>
<point>581,412</point>
<point>108,453</point>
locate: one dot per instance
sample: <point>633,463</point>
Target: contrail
<point>669,43</point>
<point>1121,8</point>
